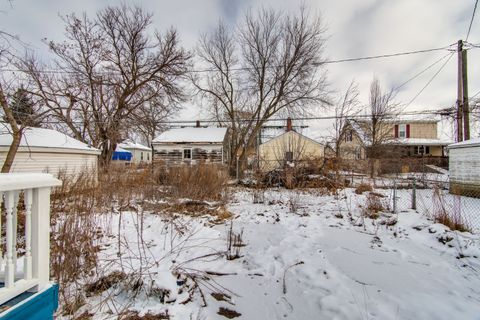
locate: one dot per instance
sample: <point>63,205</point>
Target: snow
<point>420,141</point>
<point>308,255</point>
<point>119,149</point>
<point>44,138</point>
<point>21,181</point>
<point>194,135</point>
<point>133,145</point>
<point>467,143</point>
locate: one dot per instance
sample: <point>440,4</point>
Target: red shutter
<point>408,131</point>
<point>396,131</point>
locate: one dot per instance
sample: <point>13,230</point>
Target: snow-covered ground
<point>307,255</point>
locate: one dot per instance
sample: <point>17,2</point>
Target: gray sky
<point>355,29</point>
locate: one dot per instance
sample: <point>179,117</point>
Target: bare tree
<point>110,68</point>
<point>269,66</point>
<point>377,130</point>
<point>18,109</point>
<point>149,120</point>
<point>346,107</point>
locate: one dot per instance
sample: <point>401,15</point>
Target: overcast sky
<point>355,29</point>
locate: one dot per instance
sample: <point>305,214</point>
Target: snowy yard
<point>306,255</point>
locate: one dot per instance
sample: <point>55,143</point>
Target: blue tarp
<point>122,155</point>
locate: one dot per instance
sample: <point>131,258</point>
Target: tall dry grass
<point>82,210</point>
<point>199,182</point>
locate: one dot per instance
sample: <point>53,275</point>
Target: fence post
<point>414,194</point>
<point>394,196</point>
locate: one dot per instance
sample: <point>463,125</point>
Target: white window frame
<point>402,128</point>
<point>183,154</point>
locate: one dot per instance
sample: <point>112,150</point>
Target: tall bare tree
<point>377,129</point>
<point>347,106</point>
<point>110,67</point>
<point>270,65</point>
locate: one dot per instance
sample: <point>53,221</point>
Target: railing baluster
<point>16,197</point>
<point>27,264</point>
<point>9,268</point>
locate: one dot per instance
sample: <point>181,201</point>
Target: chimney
<point>289,124</point>
<point>198,124</point>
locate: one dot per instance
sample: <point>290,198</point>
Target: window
<point>141,156</point>
<point>402,130</point>
<point>187,154</point>
<point>421,150</point>
<point>289,156</point>
<point>148,156</point>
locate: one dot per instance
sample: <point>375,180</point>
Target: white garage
<point>46,150</point>
<point>464,167</point>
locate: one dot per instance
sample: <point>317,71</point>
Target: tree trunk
<point>12,151</point>
<point>106,155</point>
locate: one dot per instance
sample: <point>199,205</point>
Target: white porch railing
<point>31,272</point>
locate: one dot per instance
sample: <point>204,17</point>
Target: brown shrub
<point>373,206</point>
<point>363,187</point>
<point>199,182</point>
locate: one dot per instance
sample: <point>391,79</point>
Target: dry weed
<point>363,187</point>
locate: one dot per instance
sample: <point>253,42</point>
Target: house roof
<point>292,132</point>
<point>44,138</point>
<point>420,142</point>
<point>120,149</point>
<point>192,135</point>
<point>133,145</point>
<point>466,144</point>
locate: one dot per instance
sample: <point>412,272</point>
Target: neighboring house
<point>464,167</point>
<point>50,151</point>
<point>140,153</point>
<point>290,148</point>
<point>404,138</point>
<point>121,155</point>
<point>191,145</point>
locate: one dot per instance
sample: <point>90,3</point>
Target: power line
<point>59,71</point>
<point>471,20</point>
<point>360,116</point>
<point>421,72</point>
<point>430,81</point>
<point>388,55</point>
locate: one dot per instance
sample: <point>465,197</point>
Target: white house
<point>46,150</point>
<point>191,145</point>
<point>464,167</point>
<point>140,153</point>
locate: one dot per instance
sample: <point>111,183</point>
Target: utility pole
<point>465,106</point>
<point>460,100</point>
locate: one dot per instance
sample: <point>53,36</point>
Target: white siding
<point>464,165</point>
<point>137,156</point>
<point>52,162</point>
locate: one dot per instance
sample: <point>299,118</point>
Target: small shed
<point>191,145</point>
<point>51,151</point>
<point>290,148</point>
<point>121,154</point>
<point>464,167</point>
<point>140,153</point>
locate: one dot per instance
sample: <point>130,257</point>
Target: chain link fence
<point>422,187</point>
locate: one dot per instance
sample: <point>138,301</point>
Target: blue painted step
<point>33,306</point>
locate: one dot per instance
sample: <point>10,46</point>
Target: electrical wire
<point>421,72</point>
<point>471,20</point>
<point>430,81</point>
<point>390,115</point>
<point>448,47</point>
